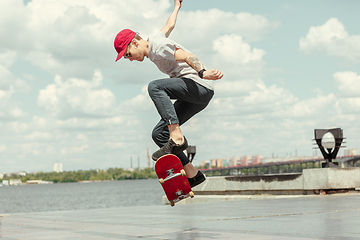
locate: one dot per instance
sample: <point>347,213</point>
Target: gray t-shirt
<point>161,52</point>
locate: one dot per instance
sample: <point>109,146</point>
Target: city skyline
<point>57,167</point>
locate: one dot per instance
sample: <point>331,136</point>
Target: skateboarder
<point>189,83</point>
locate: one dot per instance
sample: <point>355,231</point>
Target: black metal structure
<point>331,153</point>
<point>191,151</point>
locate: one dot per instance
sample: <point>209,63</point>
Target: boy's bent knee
<point>154,136</point>
<point>159,137</point>
<point>152,88</point>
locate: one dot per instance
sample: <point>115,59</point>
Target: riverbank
<point>82,176</point>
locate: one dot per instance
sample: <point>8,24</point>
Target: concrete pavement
<point>303,217</point>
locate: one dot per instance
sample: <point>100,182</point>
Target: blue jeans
<point>191,98</point>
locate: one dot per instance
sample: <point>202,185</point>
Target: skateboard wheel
<point>191,194</point>
<point>161,181</point>
<point>172,203</point>
<point>183,173</point>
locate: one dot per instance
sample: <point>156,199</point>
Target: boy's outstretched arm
<point>182,56</point>
<point>170,24</point>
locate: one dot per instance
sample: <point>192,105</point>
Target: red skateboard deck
<point>173,178</point>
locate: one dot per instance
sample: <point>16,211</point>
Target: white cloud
<point>350,105</point>
<point>9,109</point>
<point>6,79</point>
<point>232,49</point>
<point>17,113</point>
<point>140,103</point>
<point>249,117</point>
<point>13,19</point>
<point>213,23</point>
<point>10,84</point>
<point>81,137</point>
<point>254,99</point>
<point>2,147</point>
<point>348,89</point>
<point>231,52</point>
<point>37,135</point>
<point>110,132</point>
<point>18,127</point>
<point>225,88</point>
<point>347,84</point>
<point>77,98</point>
<point>332,39</point>
<point>72,38</point>
<point>7,57</point>
<point>4,97</point>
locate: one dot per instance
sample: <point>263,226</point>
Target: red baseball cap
<point>122,40</point>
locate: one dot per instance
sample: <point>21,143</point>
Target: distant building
<point>205,164</point>
<point>225,162</point>
<point>22,174</point>
<point>217,163</point>
<point>232,161</point>
<point>256,159</point>
<point>15,182</point>
<point>38,182</point>
<point>57,167</point>
<point>244,161</point>
<point>1,175</point>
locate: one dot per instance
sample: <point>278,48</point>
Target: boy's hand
<point>212,74</point>
<point>178,3</point>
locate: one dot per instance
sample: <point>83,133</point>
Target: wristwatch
<point>201,72</point>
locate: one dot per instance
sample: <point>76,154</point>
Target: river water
<point>80,196</point>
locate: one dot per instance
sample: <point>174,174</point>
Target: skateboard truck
<point>171,174</point>
<point>181,197</point>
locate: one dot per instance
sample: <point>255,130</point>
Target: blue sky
<point>289,67</point>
